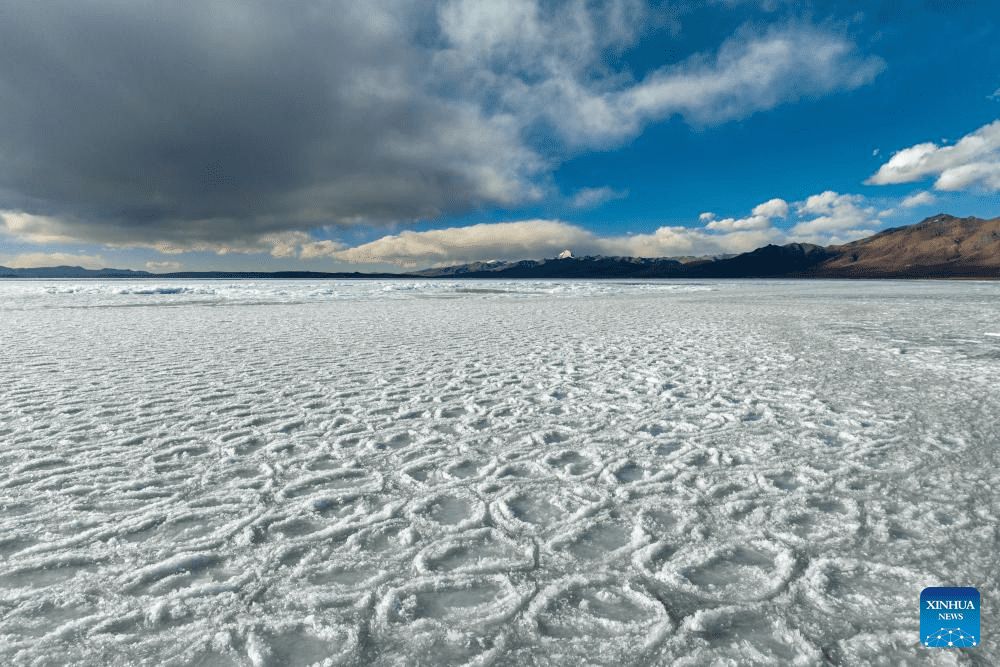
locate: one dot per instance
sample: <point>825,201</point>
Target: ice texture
<point>429,473</point>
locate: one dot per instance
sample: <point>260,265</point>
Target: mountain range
<point>942,246</point>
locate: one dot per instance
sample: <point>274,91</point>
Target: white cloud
<point>733,224</point>
<point>995,95</point>
<point>485,27</point>
<point>836,219</point>
<point>706,217</point>
<point>761,217</point>
<point>749,73</point>
<point>37,259</point>
<point>773,208</point>
<point>827,218</point>
<point>972,162</point>
<point>922,198</point>
<point>982,174</point>
<point>590,197</point>
<point>678,241</point>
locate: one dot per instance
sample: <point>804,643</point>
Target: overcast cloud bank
<point>197,126</point>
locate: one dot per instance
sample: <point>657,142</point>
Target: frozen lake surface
<point>566,473</point>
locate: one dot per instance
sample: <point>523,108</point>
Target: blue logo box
<point>949,617</point>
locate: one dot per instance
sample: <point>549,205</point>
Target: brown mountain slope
<point>941,247</point>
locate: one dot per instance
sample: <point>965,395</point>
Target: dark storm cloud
<point>221,122</point>
<point>140,116</point>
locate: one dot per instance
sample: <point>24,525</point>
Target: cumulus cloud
<point>591,197</point>
<point>833,218</point>
<point>680,241</point>
<point>922,198</point>
<point>827,218</point>
<point>972,162</point>
<point>761,217</point>
<point>773,208</point>
<point>214,124</point>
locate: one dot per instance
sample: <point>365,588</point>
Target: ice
<point>467,472</point>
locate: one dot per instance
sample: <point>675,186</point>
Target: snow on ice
<point>354,472</point>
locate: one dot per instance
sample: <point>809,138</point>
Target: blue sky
<point>335,135</point>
